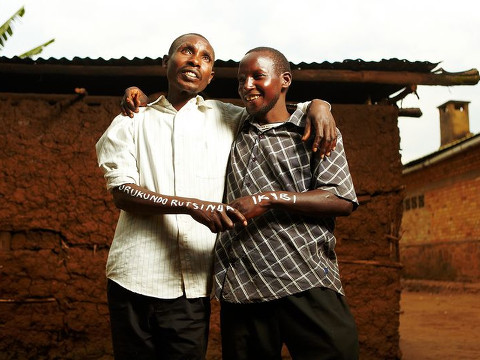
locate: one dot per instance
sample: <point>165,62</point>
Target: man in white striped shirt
<point>165,163</point>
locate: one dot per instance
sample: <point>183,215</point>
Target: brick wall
<point>57,222</point>
<point>441,235</point>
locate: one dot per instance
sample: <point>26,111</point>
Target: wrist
<point>263,199</point>
<point>274,199</point>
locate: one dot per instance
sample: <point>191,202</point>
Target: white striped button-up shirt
<point>180,153</point>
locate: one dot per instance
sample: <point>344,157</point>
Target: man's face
<point>190,65</point>
<point>259,84</point>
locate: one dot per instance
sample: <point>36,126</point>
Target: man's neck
<point>179,99</point>
<point>275,115</point>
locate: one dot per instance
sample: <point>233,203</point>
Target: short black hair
<point>176,42</point>
<point>280,62</point>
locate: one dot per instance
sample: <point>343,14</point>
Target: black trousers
<point>315,324</point>
<point>146,328</point>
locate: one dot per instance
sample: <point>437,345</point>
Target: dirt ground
<point>440,324</point>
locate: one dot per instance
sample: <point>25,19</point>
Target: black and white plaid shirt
<point>279,253</point>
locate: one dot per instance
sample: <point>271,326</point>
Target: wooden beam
<point>410,112</point>
<point>470,77</point>
<point>442,78</point>
<point>83,70</point>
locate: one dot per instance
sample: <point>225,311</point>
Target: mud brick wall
<point>441,226</point>
<point>367,240</point>
<point>57,222</point>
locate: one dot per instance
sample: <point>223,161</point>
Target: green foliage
<point>6,31</point>
<point>37,50</point>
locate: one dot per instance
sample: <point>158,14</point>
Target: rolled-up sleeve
<point>332,173</point>
<point>116,153</point>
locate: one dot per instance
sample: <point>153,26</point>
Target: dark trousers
<point>149,328</point>
<point>315,324</point>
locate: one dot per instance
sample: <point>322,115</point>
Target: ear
<point>212,74</point>
<point>165,60</point>
<point>286,80</point>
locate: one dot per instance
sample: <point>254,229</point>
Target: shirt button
<point>261,136</point>
<point>254,158</point>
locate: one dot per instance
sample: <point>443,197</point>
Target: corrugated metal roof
<point>349,81</point>
<point>356,64</point>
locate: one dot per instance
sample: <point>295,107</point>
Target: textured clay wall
<point>441,230</point>
<point>57,221</point>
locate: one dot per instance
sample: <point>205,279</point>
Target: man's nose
<point>248,84</point>
<point>194,59</point>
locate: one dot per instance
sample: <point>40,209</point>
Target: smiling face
<point>189,65</point>
<point>260,86</point>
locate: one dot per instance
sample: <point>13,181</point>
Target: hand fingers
<point>334,144</point>
<point>327,145</point>
<point>318,141</point>
<point>237,217</point>
<point>229,218</point>
<point>325,148</point>
<point>211,220</point>
<point>308,130</point>
<point>135,101</point>
<point>215,225</point>
<point>127,107</point>
<point>218,221</point>
<point>130,102</point>
<point>330,141</point>
<point>223,220</point>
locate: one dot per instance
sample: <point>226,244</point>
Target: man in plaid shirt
<point>277,278</point>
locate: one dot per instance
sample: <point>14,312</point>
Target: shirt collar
<point>298,119</point>
<point>164,103</point>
